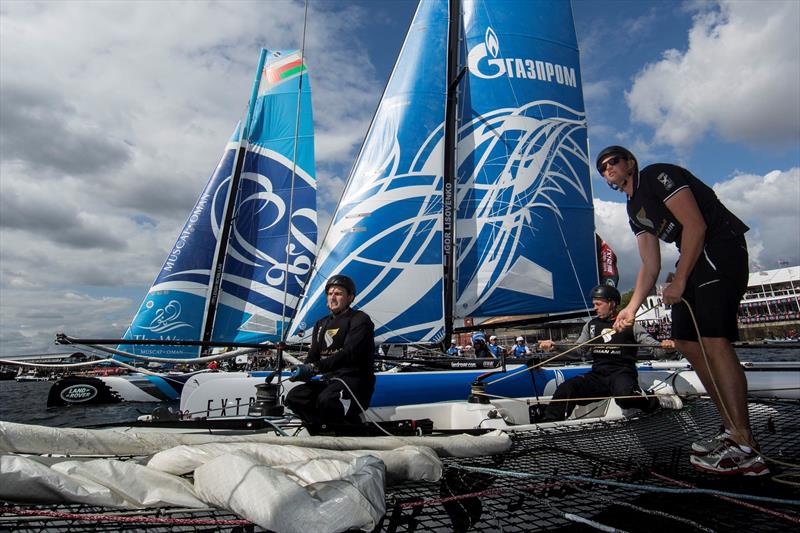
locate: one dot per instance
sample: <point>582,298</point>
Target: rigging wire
<point>562,354</point>
<point>294,175</point>
<point>581,290</point>
<point>726,413</point>
<point>648,488</point>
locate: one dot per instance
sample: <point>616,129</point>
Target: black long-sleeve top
<point>343,344</point>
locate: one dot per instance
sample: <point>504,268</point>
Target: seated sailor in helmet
<point>479,343</point>
<point>613,370</point>
<point>342,350</point>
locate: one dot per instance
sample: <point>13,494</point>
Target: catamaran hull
<point>113,389</point>
<point>207,395</point>
<point>779,380</point>
<point>218,395</point>
<point>230,394</point>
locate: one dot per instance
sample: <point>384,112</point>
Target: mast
<point>230,205</point>
<point>449,177</point>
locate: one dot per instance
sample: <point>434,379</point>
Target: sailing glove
<point>302,373</point>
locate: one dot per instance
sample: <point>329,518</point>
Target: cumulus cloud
<point>31,319</point>
<point>770,205</point>
<point>739,77</point>
<point>110,131</point>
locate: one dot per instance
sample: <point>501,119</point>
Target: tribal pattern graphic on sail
<point>525,220</point>
<point>270,249</point>
<point>268,225</point>
<point>524,236</point>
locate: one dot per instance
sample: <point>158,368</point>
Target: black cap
<point>342,281</point>
<point>606,292</point>
<point>612,150</point>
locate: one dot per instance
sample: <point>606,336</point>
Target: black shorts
<point>714,290</point>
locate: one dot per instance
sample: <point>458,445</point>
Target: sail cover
<point>386,231</point>
<point>272,237</point>
<point>525,221</point>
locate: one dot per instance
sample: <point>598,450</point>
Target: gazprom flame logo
<point>488,50</point>
<point>486,62</point>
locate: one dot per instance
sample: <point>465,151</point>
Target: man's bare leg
<point>730,392</point>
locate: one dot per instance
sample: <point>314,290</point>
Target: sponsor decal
<point>238,407</point>
<point>665,229</point>
<point>329,335</point>
<point>485,61</point>
<point>78,393</point>
<point>186,234</point>
<point>666,181</point>
<point>166,318</point>
<point>641,218</point>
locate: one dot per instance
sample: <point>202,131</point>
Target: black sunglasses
<point>610,162</point>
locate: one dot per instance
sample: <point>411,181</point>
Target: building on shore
<point>770,308</point>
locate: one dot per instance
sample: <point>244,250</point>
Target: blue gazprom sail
<point>242,259</point>
<point>524,229</point>
<point>525,219</point>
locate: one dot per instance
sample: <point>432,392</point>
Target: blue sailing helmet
<point>478,336</point>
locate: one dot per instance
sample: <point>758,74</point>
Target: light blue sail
<point>271,238</point>
<point>525,221</point>
<point>524,218</point>
<point>274,238</point>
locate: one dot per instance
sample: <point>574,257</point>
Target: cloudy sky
<point>113,115</point>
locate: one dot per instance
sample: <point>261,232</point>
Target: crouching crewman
<point>342,351</point>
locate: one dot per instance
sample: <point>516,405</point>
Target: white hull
<point>779,380</point>
<point>231,394</point>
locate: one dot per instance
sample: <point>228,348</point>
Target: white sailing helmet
<point>520,339</point>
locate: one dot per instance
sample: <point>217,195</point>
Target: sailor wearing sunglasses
<point>667,202</point>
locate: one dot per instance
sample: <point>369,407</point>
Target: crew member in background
<point>613,370</point>
<point>453,350</point>
<point>479,343</point>
<point>342,350</point>
<point>669,203</point>
<point>497,351</point>
<point>520,349</point>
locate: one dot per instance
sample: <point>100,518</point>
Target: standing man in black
<point>342,350</point>
<point>667,202</point>
<point>613,370</point>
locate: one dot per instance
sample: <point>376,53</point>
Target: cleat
<point>729,459</point>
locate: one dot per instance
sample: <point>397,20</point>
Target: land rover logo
<point>78,393</point>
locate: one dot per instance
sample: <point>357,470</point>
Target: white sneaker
<point>706,446</point>
<point>730,459</point>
